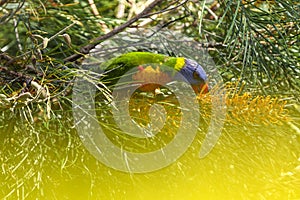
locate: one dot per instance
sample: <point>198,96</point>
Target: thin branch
<point>46,40</point>
<point>13,73</point>
<point>167,24</point>
<point>168,8</point>
<point>4,56</point>
<point>86,49</point>
<point>151,16</point>
<point>7,17</point>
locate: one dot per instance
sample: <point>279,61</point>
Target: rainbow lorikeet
<point>153,70</point>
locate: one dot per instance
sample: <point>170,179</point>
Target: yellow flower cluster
<point>242,109</point>
<point>245,108</point>
<point>248,109</point>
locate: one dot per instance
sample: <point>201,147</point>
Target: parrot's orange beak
<point>201,89</point>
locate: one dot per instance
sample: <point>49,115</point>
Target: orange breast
<point>150,78</point>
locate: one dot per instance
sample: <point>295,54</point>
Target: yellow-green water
<point>248,162</point>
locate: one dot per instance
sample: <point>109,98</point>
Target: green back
<point>120,65</point>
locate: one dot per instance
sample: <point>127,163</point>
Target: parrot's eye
<point>196,76</point>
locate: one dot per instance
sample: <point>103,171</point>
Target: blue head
<point>195,75</point>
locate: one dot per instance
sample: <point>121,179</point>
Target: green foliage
<point>36,21</point>
<point>127,61</point>
<point>260,41</point>
<point>255,42</point>
<point>252,41</point>
<point>263,44</point>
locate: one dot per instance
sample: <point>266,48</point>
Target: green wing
<point>118,66</point>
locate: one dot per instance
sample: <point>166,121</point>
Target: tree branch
<point>13,73</point>
<point>86,49</point>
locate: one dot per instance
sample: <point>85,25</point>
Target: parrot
<point>152,70</point>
